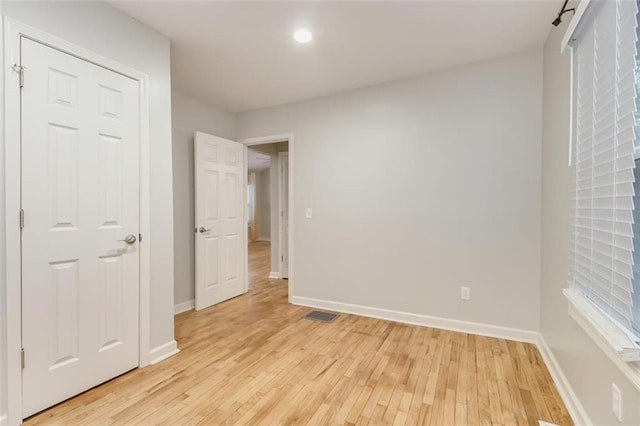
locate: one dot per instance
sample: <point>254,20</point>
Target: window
<point>604,272</point>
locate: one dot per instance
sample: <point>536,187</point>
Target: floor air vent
<point>321,316</point>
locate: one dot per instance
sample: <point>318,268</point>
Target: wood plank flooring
<point>255,360</point>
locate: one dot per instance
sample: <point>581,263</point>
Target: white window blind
<point>602,195</point>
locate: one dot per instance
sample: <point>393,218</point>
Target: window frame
<point>635,315</point>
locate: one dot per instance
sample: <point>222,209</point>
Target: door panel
<point>66,288</point>
<point>111,151</point>
<point>211,196</point>
<point>231,196</point>
<point>80,194</point>
<point>219,178</point>
<point>112,287</point>
<point>63,175</point>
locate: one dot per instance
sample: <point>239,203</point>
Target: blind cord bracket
<point>630,354</point>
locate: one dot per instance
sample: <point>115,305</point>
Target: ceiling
<point>241,55</point>
<point>257,161</point>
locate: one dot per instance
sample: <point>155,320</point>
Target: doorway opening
<point>268,209</point>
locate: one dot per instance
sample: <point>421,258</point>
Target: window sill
<point>613,341</point>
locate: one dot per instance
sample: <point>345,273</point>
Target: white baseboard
<point>424,320</point>
<point>571,401</point>
<point>184,306</point>
<point>163,352</point>
<point>274,275</point>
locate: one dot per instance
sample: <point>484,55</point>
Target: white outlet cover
<point>465,293</point>
<point>616,401</point>
<point>308,213</point>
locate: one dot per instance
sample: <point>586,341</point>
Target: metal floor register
<point>321,316</point>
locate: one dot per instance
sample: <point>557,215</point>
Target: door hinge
<point>139,238</point>
<point>21,219</point>
<point>20,70</point>
<point>282,258</point>
<point>22,358</point>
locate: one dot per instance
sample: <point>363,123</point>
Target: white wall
<point>110,33</point>
<point>419,187</point>
<point>263,204</point>
<point>190,115</point>
<point>588,370</point>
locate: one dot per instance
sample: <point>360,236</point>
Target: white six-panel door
<point>80,195</point>
<point>220,219</point>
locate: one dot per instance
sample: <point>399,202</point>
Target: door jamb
<point>262,140</point>
<point>14,31</point>
<point>281,203</point>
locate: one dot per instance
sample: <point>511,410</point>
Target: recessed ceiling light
<point>303,35</point>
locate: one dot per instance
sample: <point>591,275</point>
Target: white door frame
<point>14,30</point>
<point>281,203</point>
<point>262,140</point>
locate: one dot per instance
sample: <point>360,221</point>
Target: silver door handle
<point>203,230</point>
<point>129,239</point>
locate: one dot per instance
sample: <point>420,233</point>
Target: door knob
<point>203,230</point>
<point>129,239</point>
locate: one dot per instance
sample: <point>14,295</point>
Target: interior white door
<point>284,213</point>
<point>220,219</point>
<point>80,196</point>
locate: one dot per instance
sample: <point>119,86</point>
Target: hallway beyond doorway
<point>260,265</point>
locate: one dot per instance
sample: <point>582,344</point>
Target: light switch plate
<point>308,213</point>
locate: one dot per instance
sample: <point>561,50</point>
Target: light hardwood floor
<point>255,360</point>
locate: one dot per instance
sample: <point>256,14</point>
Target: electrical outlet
<point>465,293</point>
<point>616,401</point>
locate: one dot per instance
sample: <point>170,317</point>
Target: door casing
<point>281,203</point>
<point>13,32</point>
<point>262,140</point>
